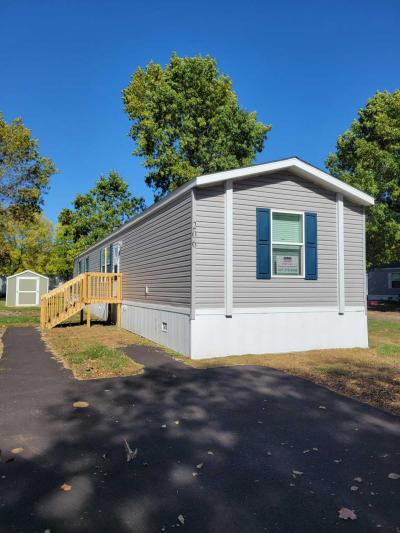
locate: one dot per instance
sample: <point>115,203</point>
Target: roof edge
<point>27,270</point>
<point>302,168</point>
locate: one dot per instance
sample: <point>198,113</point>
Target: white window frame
<point>280,243</point>
<point>390,280</point>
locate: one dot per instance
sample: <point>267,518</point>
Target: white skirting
<point>163,324</point>
<point>215,335</point>
<point>248,331</point>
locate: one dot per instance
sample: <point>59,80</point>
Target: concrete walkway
<point>237,450</point>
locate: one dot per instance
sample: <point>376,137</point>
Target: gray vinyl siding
<point>354,263</point>
<point>210,247</point>
<point>289,193</point>
<point>155,252</point>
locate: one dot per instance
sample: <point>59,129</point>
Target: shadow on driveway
<point>224,460</point>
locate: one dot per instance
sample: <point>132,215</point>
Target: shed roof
<point>25,271</point>
<point>293,164</point>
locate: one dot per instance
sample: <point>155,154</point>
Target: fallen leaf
<point>17,450</point>
<point>80,404</point>
<point>194,474</point>
<point>345,514</point>
<point>164,426</point>
<point>130,454</point>
<point>181,519</point>
<point>321,407</point>
<point>394,476</point>
<point>210,452</point>
<point>297,472</point>
<point>354,488</point>
<point>177,422</point>
<point>65,487</point>
<point>315,449</point>
<point>306,451</point>
<point>358,479</point>
<point>337,460</point>
<point>200,466</point>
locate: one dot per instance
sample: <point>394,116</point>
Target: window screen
<point>287,227</point>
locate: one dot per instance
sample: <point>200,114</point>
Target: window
<point>394,280</point>
<point>105,259</point>
<point>287,244</point>
<point>87,264</point>
<point>80,267</point>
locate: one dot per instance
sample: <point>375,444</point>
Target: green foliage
<point>24,173</point>
<point>187,122</point>
<point>368,157</point>
<point>24,178</point>
<point>26,244</point>
<point>94,215</point>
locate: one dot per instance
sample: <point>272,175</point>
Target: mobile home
<point>264,259</point>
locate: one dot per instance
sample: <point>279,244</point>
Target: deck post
<point>88,315</point>
<point>118,315</point>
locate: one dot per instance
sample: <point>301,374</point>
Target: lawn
<point>95,352</point>
<point>369,375</point>
<point>18,316</point>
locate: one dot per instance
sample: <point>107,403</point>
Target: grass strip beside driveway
<point>93,353</point>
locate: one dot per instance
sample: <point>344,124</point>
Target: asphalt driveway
<point>243,449</point>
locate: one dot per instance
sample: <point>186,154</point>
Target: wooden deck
<point>74,295</point>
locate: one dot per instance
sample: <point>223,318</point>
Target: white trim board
<point>340,252</point>
<point>158,307</point>
<point>293,164</point>
<point>30,271</point>
<point>276,310</point>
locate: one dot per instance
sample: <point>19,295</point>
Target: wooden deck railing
<point>72,296</point>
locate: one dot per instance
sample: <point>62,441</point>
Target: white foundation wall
<point>147,320</point>
<point>254,332</point>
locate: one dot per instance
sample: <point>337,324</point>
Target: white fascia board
<point>298,166</point>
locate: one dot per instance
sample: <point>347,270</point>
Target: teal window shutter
<point>263,244</point>
<point>311,259</point>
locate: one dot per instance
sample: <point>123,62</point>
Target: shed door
<point>27,291</point>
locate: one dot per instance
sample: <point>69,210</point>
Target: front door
<point>27,291</point>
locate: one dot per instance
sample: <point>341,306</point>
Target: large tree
<point>187,121</point>
<point>24,173</point>
<point>368,157</point>
<point>24,178</point>
<point>94,215</point>
<point>27,245</point>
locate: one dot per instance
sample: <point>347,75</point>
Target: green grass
<point>19,320</point>
<point>391,350</point>
<point>18,316</point>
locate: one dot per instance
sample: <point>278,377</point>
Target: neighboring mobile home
<point>384,283</point>
<point>268,258</point>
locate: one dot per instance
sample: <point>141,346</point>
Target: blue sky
<point>305,67</point>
